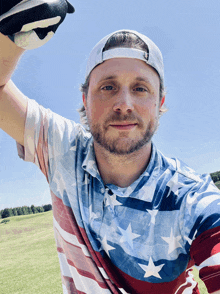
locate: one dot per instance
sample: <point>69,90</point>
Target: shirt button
<point>102,190</point>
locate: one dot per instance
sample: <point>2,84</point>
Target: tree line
<point>215,176</point>
<point>24,210</point>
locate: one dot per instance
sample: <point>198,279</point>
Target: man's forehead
<point>117,68</point>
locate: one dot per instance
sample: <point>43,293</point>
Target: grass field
<point>28,257</point>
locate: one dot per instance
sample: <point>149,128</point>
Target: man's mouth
<point>124,126</point>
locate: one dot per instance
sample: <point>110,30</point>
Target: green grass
<point>28,257</point>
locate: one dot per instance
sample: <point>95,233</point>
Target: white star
<point>151,269</point>
<point>172,241</point>
<point>153,214</point>
<point>105,246</point>
<point>128,236</point>
<point>174,185</point>
<point>111,200</point>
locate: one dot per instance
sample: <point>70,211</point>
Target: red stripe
<point>83,264</point>
<point>42,149</point>
<point>196,290</point>
<point>211,277</point>
<point>65,218</point>
<point>70,285</point>
<point>206,245</point>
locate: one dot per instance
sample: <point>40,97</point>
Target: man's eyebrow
<point>141,79</point>
<point>106,78</point>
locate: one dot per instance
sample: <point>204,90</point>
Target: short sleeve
<point>203,206</point>
<point>47,135</point>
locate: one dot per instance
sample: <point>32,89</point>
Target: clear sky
<point>187,32</point>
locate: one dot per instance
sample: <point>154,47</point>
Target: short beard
<point>116,147</point>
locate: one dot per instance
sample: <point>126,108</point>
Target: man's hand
<point>32,23</point>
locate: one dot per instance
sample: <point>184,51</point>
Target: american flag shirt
<point>144,238</point>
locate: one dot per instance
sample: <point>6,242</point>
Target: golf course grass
<point>28,257</point>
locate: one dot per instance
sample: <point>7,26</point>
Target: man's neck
<point>121,170</point>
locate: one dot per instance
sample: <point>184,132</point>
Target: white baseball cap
<point>153,57</point>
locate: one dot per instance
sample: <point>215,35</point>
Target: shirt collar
<point>149,175</point>
<point>89,162</point>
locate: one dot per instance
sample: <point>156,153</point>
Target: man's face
<point>122,105</point>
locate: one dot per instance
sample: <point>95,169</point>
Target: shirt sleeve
<point>47,135</point>
<point>205,251</point>
<point>205,248</point>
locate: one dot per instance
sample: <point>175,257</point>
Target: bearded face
<point>122,105</point>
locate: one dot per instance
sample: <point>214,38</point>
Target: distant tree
<point>7,212</point>
<point>29,210</point>
<point>40,209</point>
<point>19,211</point>
<point>34,209</point>
<point>214,178</point>
<point>14,210</point>
<point>24,210</point>
<point>47,207</point>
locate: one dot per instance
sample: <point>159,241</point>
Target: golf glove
<point>32,23</point>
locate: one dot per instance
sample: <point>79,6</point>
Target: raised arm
<point>23,25</point>
<point>12,102</point>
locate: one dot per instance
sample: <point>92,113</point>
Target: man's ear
<point>84,100</point>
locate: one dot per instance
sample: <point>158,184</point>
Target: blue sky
<point>187,32</point>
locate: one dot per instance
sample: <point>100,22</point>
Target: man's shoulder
<point>177,166</point>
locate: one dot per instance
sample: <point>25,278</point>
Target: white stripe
<point>189,280</point>
<point>82,283</point>
<point>22,6</point>
<point>123,291</point>
<point>64,289</point>
<point>213,260</point>
<point>31,125</point>
<point>103,272</point>
<point>72,239</point>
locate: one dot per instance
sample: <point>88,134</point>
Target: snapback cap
<point>153,57</point>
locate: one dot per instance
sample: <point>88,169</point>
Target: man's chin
<point>122,146</point>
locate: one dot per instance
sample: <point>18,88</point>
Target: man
<point>127,219</point>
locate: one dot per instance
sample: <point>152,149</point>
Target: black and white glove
<point>32,23</point>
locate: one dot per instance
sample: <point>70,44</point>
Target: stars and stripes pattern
<point>124,240</point>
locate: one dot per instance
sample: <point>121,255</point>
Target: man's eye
<point>140,89</point>
<point>108,88</point>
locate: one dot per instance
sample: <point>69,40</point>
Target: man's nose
<point>123,102</point>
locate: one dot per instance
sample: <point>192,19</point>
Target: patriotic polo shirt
<point>144,238</point>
